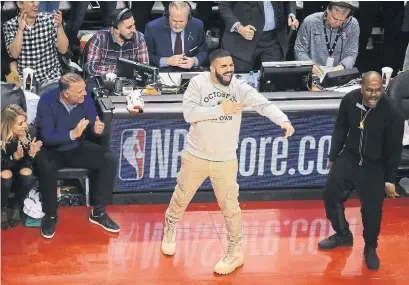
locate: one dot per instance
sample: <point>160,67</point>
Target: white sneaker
<point>169,238</point>
<point>233,259</point>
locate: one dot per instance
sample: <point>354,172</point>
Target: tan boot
<point>169,238</point>
<point>233,259</point>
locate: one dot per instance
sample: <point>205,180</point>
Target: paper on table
<point>348,88</point>
<point>326,70</point>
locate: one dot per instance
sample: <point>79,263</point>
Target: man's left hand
<point>187,62</point>
<point>338,67</point>
<point>289,130</point>
<point>57,18</point>
<point>13,78</point>
<point>99,126</point>
<point>391,191</point>
<point>293,23</point>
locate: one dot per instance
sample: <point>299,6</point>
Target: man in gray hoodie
<point>329,38</point>
<point>213,105</point>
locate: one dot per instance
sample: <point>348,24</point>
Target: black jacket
<point>380,141</point>
<point>252,13</point>
<point>7,159</point>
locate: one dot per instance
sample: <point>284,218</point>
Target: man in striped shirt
<point>121,40</point>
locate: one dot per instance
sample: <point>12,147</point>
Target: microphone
<point>109,85</point>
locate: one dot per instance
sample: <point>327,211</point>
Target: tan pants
<point>223,176</point>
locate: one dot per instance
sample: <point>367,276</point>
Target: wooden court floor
<point>280,247</point>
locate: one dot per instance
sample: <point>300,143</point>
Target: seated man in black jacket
<point>365,153</point>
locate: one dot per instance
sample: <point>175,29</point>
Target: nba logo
<point>132,162</point>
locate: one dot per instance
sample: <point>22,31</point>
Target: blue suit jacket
<point>159,43</point>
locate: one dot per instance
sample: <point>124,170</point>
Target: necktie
<point>178,44</point>
<point>278,12</point>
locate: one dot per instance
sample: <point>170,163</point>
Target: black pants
<point>268,49</point>
<point>77,16</point>
<point>142,12</point>
<point>87,155</point>
<point>346,175</point>
<point>21,184</point>
<point>394,40</point>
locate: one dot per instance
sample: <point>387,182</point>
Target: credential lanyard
<point>331,50</point>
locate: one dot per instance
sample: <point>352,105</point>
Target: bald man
<point>365,153</point>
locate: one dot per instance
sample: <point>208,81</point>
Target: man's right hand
<point>231,107</point>
<point>317,70</point>
<point>247,32</point>
<point>22,20</point>
<point>330,164</point>
<point>175,60</point>
<point>82,125</point>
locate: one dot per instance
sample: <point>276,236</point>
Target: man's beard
<point>126,39</point>
<point>221,80</point>
<point>177,30</point>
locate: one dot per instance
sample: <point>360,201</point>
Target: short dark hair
<point>114,15</point>
<point>218,53</point>
<point>67,79</point>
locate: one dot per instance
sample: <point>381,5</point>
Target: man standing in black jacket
<point>257,29</point>
<point>365,153</point>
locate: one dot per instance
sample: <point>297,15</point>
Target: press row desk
<point>266,160</point>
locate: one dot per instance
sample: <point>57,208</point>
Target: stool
<point>77,173</point>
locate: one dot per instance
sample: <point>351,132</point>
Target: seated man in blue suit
<point>64,121</point>
<point>176,39</point>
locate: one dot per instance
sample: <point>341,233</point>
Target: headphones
<point>343,5</point>
<point>190,16</point>
<point>117,20</point>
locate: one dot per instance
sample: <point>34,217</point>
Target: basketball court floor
<point>280,247</point>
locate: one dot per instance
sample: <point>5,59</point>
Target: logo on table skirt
<point>132,160</point>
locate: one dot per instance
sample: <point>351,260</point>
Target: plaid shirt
<point>39,50</point>
<point>104,51</point>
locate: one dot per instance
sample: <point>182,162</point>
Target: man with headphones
<point>121,40</point>
<point>330,39</point>
<point>176,40</point>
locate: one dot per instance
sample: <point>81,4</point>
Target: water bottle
<point>252,80</point>
<point>158,84</point>
<point>149,80</point>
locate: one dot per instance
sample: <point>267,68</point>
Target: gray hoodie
<point>213,135</point>
<point>311,43</point>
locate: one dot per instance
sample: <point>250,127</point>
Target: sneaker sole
<point>240,263</point>
<point>98,224</point>
<point>341,245</point>
<point>47,237</point>
<point>167,253</point>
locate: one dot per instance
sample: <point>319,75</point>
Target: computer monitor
<point>185,79</point>
<point>340,77</point>
<point>136,71</point>
<point>285,75</point>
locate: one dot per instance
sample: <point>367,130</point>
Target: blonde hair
<point>9,115</point>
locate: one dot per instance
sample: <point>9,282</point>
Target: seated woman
<point>18,149</point>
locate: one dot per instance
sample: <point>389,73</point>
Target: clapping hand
<point>19,154</point>
<point>82,125</point>
<point>57,18</point>
<point>35,147</point>
<point>22,20</point>
<point>99,126</point>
